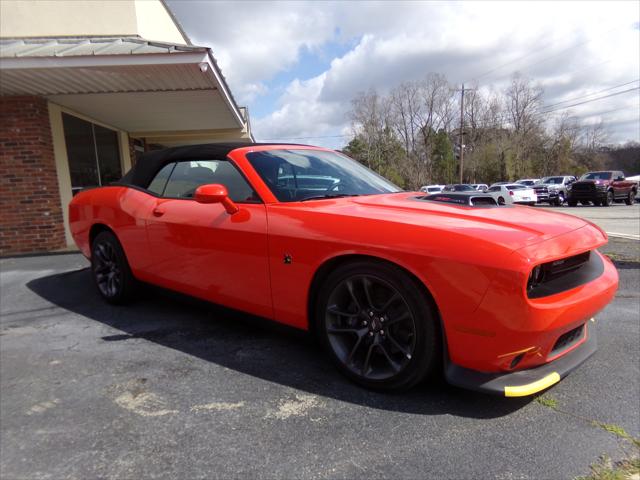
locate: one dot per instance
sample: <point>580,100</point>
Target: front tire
<point>608,200</point>
<point>501,201</point>
<point>560,200</point>
<point>110,269</point>
<point>378,326</point>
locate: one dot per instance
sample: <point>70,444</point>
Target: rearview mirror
<point>215,193</point>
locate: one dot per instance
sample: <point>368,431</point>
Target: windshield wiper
<point>324,197</point>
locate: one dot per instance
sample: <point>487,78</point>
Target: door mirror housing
<point>215,193</point>
<point>619,179</point>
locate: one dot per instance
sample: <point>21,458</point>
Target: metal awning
<point>127,82</point>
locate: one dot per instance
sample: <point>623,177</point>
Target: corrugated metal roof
<point>65,47</point>
<point>133,78</point>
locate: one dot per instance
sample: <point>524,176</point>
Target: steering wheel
<point>332,187</point>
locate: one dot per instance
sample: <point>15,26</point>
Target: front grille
<point>563,266</point>
<point>584,187</point>
<point>567,340</point>
<point>564,274</point>
<point>540,190</point>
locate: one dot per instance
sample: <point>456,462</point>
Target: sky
<point>298,65</point>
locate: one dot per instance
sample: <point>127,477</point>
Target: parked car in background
<point>513,193</point>
<point>481,187</point>
<point>528,181</point>
<point>501,194</point>
<point>499,183</point>
<point>458,187</point>
<point>554,190</point>
<point>603,188</point>
<point>432,188</point>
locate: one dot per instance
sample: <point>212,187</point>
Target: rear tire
<point>110,269</point>
<point>631,198</point>
<point>378,326</point>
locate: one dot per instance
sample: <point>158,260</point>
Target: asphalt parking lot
<point>618,220</point>
<point>173,389</point>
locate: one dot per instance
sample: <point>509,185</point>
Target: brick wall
<point>30,211</point>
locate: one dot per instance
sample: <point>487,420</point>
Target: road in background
<point>618,220</point>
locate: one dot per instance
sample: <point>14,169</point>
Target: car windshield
<point>433,189</point>
<point>526,182</point>
<point>458,188</point>
<point>552,180</point>
<point>596,176</point>
<point>300,174</point>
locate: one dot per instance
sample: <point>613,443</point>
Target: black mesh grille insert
<point>565,274</point>
<point>567,340</point>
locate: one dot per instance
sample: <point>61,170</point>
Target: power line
<point>589,101</point>
<point>590,94</point>
<point>579,44</point>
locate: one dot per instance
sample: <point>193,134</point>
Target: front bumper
<point>547,196</point>
<point>523,382</point>
<point>588,195</point>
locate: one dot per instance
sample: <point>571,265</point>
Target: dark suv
<point>602,188</point>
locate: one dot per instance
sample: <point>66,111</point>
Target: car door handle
<point>158,212</point>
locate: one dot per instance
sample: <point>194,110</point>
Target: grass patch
<point>547,401</point>
<point>607,470</point>
<point>613,428</point>
<point>618,431</point>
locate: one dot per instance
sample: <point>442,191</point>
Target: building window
<point>93,153</point>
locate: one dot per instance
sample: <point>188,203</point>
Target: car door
<point>619,185</point>
<point>200,249</point>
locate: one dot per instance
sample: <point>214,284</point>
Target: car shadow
<point>252,346</point>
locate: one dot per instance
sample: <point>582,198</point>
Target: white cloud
<point>570,48</point>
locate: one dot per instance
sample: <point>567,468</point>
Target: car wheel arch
<point>97,229</point>
<point>329,265</point>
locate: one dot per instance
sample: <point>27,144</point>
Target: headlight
<point>535,277</point>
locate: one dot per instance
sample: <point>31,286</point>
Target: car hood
<point>513,227</point>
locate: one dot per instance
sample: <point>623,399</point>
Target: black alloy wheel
<point>608,200</point>
<point>631,198</point>
<point>378,326</point>
<point>110,269</point>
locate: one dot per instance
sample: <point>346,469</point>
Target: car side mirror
<point>215,193</point>
<point>619,179</point>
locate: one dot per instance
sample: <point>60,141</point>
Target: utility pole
<point>461,132</point>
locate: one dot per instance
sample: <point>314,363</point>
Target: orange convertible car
<point>395,284</point>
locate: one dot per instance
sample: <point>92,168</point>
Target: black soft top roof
<point>150,163</point>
